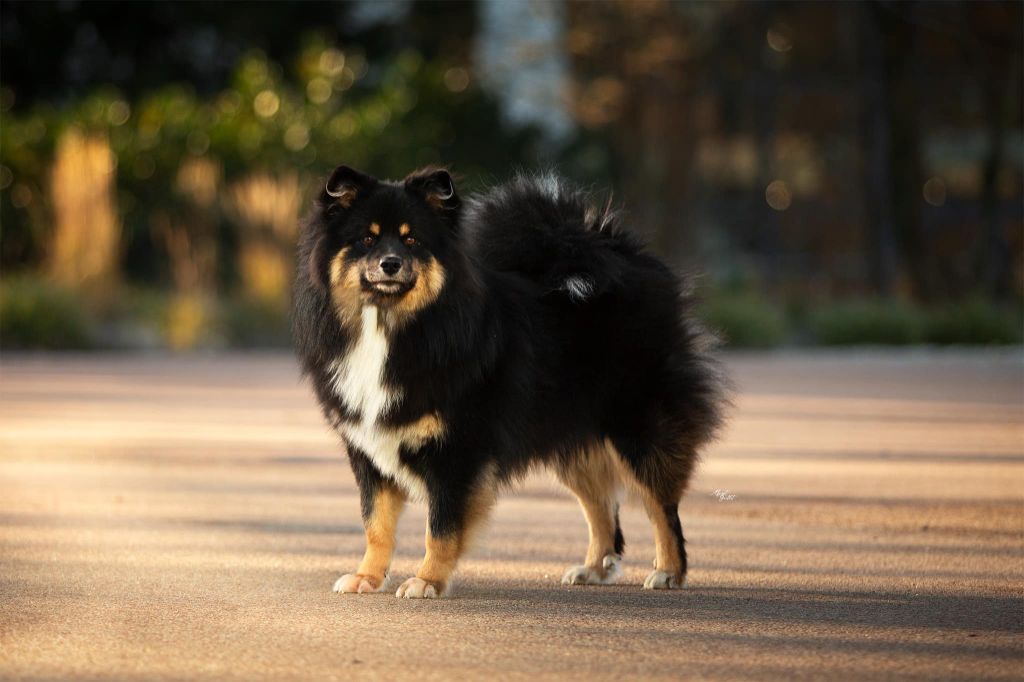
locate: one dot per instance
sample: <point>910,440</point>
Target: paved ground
<point>184,518</point>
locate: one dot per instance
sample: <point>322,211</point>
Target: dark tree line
<point>871,83</point>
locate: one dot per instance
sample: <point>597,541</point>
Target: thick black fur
<point>555,331</point>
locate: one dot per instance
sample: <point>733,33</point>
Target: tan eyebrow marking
<point>375,228</point>
<point>403,229</point>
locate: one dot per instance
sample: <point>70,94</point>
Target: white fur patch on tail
<point>578,287</point>
<point>551,184</point>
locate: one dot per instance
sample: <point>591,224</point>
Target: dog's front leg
<point>382,502</point>
<point>454,515</point>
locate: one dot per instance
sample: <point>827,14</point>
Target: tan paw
<point>418,588</point>
<point>606,574</point>
<point>663,580</point>
<point>358,584</point>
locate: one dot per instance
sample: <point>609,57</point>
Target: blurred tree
<point>742,126</point>
<point>812,148</point>
<point>636,67</point>
<point>385,94</point>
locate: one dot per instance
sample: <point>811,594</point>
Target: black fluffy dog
<point>453,347</point>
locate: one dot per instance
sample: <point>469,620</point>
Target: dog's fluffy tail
<point>543,229</point>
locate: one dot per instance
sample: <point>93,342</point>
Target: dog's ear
<point>435,186</point>
<point>345,186</point>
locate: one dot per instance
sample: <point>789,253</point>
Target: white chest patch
<point>359,382</point>
<point>359,376</point>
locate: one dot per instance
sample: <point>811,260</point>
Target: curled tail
<point>550,233</point>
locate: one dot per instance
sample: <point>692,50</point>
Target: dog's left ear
<point>435,186</point>
<point>345,186</point>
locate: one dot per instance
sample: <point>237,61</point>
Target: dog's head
<point>383,243</point>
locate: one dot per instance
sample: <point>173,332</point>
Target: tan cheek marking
<point>375,229</point>
<point>430,281</point>
<point>345,288</point>
<point>403,229</point>
<point>337,266</point>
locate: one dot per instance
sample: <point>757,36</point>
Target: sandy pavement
<point>185,517</point>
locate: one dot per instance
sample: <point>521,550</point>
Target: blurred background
<point>839,173</point>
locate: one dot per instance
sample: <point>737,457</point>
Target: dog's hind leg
<point>670,546</point>
<point>591,476</point>
<point>660,480</point>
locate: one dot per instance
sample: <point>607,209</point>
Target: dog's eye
<point>410,241</point>
<point>369,240</point>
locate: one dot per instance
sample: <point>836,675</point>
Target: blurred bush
<point>254,323</point>
<point>868,322</point>
<point>974,322</point>
<point>199,197</point>
<point>38,314</point>
<point>744,319</point>
<point>893,323</point>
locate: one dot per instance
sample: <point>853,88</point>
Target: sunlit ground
<point>185,517</point>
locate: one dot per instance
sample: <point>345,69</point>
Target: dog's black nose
<point>390,264</point>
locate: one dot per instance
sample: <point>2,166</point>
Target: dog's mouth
<point>388,288</point>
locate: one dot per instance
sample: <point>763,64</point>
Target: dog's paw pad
<point>607,574</point>
<point>663,580</point>
<point>357,584</point>
<point>417,588</point>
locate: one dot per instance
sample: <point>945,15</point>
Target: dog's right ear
<point>345,186</point>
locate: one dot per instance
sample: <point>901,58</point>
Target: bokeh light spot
<point>319,90</point>
<point>296,137</point>
<point>332,61</point>
<point>266,103</point>
<point>777,195</point>
<point>118,112</point>
<point>934,191</point>
<point>778,40</point>
<point>456,79</point>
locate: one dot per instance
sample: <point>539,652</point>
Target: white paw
<point>591,575</point>
<point>662,580</point>
<point>357,584</point>
<point>417,588</point>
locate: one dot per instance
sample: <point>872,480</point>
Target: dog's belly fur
<point>358,380</point>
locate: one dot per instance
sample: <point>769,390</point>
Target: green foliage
<point>249,323</point>
<point>36,314</point>
<point>867,322</point>
<point>974,322</point>
<point>331,107</point>
<point>744,320</point>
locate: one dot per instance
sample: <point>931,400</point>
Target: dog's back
<point>631,350</point>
